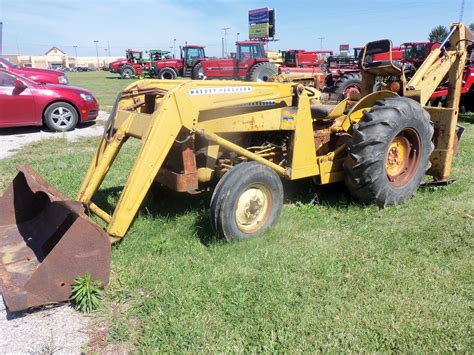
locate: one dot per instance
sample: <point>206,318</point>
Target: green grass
<point>104,85</point>
<point>331,275</point>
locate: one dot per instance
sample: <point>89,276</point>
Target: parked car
<point>24,102</point>
<point>36,74</point>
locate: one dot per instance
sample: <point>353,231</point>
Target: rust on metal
<point>46,241</point>
<point>185,162</point>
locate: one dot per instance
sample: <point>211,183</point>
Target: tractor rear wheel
<point>247,201</point>
<point>261,72</point>
<point>127,72</point>
<point>348,83</point>
<point>198,72</point>
<point>389,152</point>
<point>167,74</point>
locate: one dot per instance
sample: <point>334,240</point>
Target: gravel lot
<point>47,330</point>
<point>52,329</point>
<point>13,139</point>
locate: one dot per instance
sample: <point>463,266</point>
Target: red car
<point>24,102</point>
<point>38,75</point>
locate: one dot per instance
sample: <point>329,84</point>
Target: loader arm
<point>164,114</point>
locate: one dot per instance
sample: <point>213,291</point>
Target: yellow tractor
<point>248,137</point>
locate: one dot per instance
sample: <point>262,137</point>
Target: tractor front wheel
<point>127,72</point>
<point>246,201</point>
<point>262,72</point>
<point>389,152</point>
<point>348,83</point>
<point>198,72</point>
<point>167,74</point>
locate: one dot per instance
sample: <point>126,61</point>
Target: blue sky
<point>34,26</point>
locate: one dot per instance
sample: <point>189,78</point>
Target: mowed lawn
<point>331,275</point>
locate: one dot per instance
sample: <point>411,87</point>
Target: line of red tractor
<point>338,74</point>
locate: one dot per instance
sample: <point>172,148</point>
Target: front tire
<point>127,72</point>
<point>348,83</point>
<point>198,72</point>
<point>262,72</point>
<point>167,74</point>
<point>247,201</point>
<point>61,117</point>
<point>389,152</point>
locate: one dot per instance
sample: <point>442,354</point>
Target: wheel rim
<point>253,208</point>
<point>402,157</point>
<point>62,117</point>
<point>264,75</point>
<point>167,76</point>
<point>127,72</point>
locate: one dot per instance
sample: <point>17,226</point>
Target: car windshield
<point>3,59</point>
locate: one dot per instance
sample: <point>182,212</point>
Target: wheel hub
<point>61,116</point>
<point>252,208</point>
<point>402,157</point>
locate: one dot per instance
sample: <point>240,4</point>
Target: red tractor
<point>249,63</point>
<point>302,59</point>
<point>188,65</point>
<point>130,66</point>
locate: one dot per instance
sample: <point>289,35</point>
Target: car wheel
<point>61,117</point>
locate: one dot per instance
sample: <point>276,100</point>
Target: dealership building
<point>55,58</point>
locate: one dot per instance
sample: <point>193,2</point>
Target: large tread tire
<point>61,117</point>
<point>262,72</point>
<point>127,72</point>
<point>366,163</point>
<point>167,74</point>
<point>346,82</point>
<point>230,189</point>
<point>198,72</point>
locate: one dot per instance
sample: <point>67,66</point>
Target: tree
<point>471,27</point>
<point>438,34</point>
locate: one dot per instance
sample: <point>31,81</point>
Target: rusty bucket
<point>46,241</point>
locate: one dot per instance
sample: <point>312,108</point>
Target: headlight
<point>87,97</point>
<point>63,79</point>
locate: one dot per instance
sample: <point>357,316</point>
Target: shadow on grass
<point>163,202</point>
<point>467,117</point>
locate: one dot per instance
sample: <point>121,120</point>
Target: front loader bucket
<point>46,241</point>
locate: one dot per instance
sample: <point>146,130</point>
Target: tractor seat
<point>321,111</point>
<point>384,67</point>
<point>383,63</point>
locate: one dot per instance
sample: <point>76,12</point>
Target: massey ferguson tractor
<point>250,63</point>
<point>241,139</point>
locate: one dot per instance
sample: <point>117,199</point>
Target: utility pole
<point>75,51</point>
<point>224,41</point>
<point>462,11</point>
<point>106,56</point>
<point>174,47</point>
<point>238,33</point>
<point>108,46</point>
<point>97,52</point>
<point>1,38</point>
<point>321,42</point>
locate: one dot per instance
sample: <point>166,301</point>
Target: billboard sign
<point>259,30</point>
<point>343,47</point>
<point>259,16</point>
<point>262,23</point>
